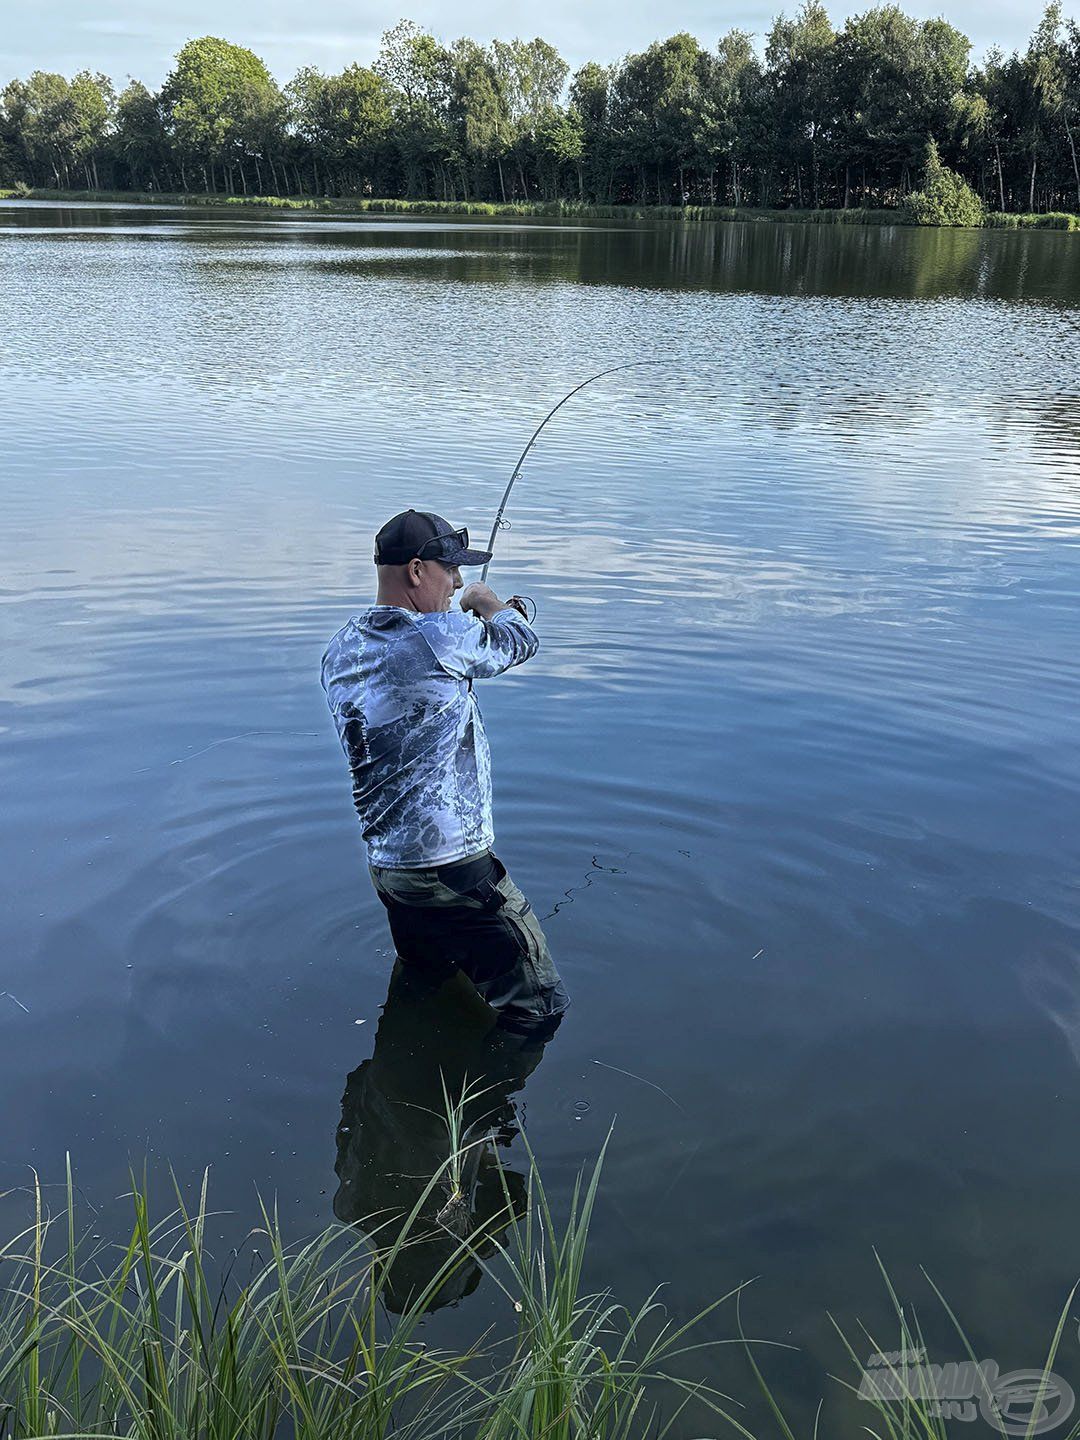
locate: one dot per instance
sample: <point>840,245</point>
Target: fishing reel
<point>520,604</point>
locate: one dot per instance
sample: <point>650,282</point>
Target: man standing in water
<point>398,678</point>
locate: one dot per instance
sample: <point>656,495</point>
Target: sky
<point>137,38</point>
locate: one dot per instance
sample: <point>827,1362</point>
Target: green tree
<point>531,75</point>
<point>417,69</point>
<point>944,199</point>
<point>1070,110</point>
<point>1001,83</point>
<point>940,74</point>
<point>51,126</point>
<point>634,129</point>
<point>590,98</point>
<point>307,125</point>
<point>14,132</point>
<point>434,70</point>
<point>479,114</point>
<point>819,118</point>
<point>685,70</point>
<point>799,56</point>
<point>212,102</point>
<point>262,117</point>
<point>139,140</point>
<point>560,143</point>
<point>655,102</point>
<point>1046,114</point>
<point>357,126</point>
<point>11,170</point>
<point>744,128</point>
<point>970,132</point>
<point>897,82</point>
<point>92,104</point>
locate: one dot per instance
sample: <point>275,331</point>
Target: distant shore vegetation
<point>551,209</point>
<point>887,113</point>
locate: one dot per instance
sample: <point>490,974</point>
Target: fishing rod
<point>501,524</point>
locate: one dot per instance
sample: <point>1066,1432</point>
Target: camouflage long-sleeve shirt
<point>411,729</point>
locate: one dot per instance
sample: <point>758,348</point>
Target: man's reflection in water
<point>435,1031</point>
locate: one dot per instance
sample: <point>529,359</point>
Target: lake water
<point>795,767</point>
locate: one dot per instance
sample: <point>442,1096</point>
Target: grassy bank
<point>555,209</point>
<point>1052,220</point>
<point>156,1339</point>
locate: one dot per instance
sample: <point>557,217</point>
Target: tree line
<point>819,117</point>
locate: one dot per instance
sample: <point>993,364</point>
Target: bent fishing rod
<point>500,523</point>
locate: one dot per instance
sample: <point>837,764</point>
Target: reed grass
<point>1051,220</point>
<point>152,1338</point>
<point>550,209</point>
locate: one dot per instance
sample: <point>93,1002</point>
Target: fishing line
<point>500,523</point>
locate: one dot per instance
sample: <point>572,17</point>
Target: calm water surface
<point>795,768</point>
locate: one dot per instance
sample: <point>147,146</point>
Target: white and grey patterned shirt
<point>410,726</point>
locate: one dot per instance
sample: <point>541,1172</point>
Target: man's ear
<point>415,572</point>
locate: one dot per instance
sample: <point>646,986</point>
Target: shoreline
<point>545,209</point>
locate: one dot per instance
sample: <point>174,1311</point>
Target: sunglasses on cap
<point>445,542</point>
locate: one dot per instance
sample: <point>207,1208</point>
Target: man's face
<point>439,583</point>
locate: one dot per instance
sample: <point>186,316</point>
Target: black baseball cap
<point>419,535</point>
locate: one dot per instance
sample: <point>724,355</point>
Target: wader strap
<point>485,890</point>
<point>490,896</point>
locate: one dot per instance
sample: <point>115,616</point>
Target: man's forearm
<point>487,608</point>
<point>482,601</point>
